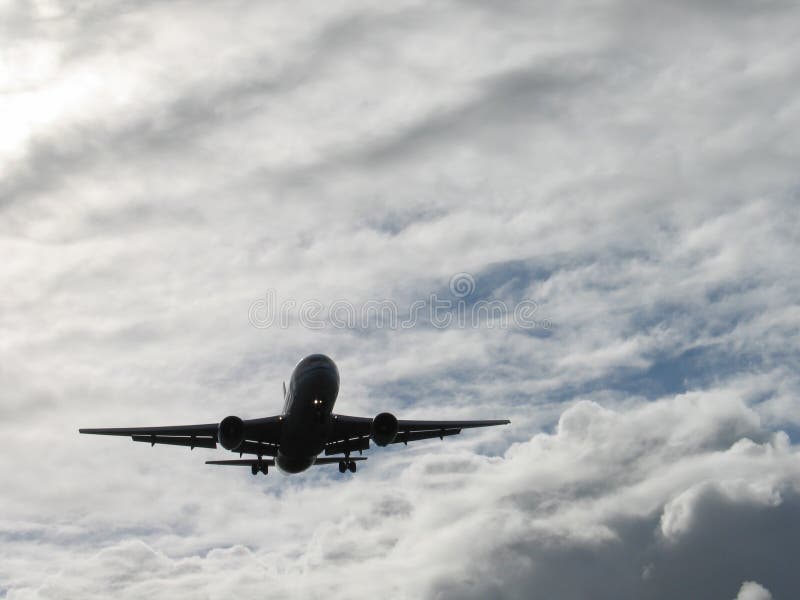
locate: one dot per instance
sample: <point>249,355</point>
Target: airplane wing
<point>352,433</point>
<point>261,435</point>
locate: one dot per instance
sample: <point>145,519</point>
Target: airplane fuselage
<point>312,392</point>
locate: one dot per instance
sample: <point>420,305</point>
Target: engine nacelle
<point>231,432</point>
<point>384,429</point>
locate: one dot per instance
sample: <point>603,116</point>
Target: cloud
<point>645,503</point>
<point>632,171</point>
<point>751,590</point>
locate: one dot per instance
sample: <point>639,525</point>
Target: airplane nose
<point>319,371</point>
<point>316,360</point>
<point>321,374</point>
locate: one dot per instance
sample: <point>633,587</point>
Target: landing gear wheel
<point>254,469</point>
<point>265,469</point>
<point>342,466</point>
<point>352,466</point>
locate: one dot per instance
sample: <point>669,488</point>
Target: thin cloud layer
<point>631,169</point>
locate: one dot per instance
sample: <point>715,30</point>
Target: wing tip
<point>94,431</point>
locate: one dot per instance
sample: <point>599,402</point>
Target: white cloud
<point>751,590</point>
<point>631,169</point>
<point>591,493</point>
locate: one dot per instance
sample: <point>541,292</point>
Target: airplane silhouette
<point>306,433</point>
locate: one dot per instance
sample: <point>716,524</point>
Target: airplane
<point>307,428</point>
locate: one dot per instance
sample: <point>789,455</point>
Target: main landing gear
<point>256,467</point>
<point>347,465</point>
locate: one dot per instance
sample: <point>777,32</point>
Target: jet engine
<point>231,432</point>
<point>384,429</point>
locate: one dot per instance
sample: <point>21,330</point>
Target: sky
<point>626,171</point>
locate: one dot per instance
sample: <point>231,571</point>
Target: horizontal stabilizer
<point>331,460</point>
<point>243,462</point>
<point>270,462</point>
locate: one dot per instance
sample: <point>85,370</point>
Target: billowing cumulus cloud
<point>629,170</point>
<point>753,591</point>
<point>649,502</point>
